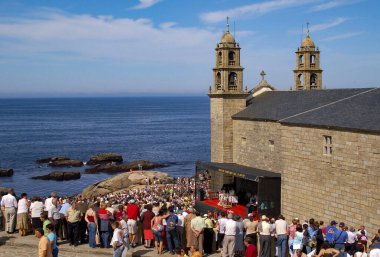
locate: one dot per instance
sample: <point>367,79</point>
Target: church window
<point>243,141</point>
<point>271,145</point>
<point>327,145</point>
<point>231,58</point>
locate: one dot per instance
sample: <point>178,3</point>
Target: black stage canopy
<point>237,170</point>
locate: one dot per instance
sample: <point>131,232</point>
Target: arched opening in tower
<point>313,80</point>
<point>231,58</point>
<point>300,81</point>
<point>232,81</point>
<point>218,81</point>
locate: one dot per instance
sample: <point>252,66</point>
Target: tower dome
<point>308,42</point>
<point>227,37</point>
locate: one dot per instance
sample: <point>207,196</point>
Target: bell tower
<point>308,74</point>
<point>227,96</point>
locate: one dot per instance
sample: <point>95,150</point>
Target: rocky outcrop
<point>53,159</point>
<point>6,172</point>
<point>123,182</point>
<point>66,163</point>
<point>4,190</point>
<point>105,158</point>
<point>116,168</point>
<point>67,175</point>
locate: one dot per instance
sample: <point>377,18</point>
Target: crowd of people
<point>162,218</point>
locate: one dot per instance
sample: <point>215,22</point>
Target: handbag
<point>97,238</point>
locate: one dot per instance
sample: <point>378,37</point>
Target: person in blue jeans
<point>92,225</point>
<point>340,239</point>
<point>171,230</point>
<point>282,236</point>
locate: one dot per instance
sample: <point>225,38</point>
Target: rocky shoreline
<point>124,181</point>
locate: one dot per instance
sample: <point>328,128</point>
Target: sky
<point>84,48</point>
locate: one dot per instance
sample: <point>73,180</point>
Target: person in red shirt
<point>251,250</point>
<point>132,214</point>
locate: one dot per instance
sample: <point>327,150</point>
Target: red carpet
<point>236,209</point>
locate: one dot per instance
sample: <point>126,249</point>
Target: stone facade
<point>222,108</point>
<point>340,185</point>
<point>257,144</point>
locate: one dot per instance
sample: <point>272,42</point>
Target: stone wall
<point>257,144</point>
<point>341,186</point>
<point>222,108</point>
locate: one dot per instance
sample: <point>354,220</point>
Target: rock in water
<point>105,158</point>
<point>66,163</point>
<point>115,168</point>
<point>4,190</point>
<point>67,175</point>
<point>124,181</point>
<point>53,159</point>
<point>6,172</point>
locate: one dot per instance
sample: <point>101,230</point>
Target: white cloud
<point>143,4</point>
<point>327,25</point>
<point>332,4</point>
<point>167,25</point>
<point>252,9</point>
<point>341,36</point>
<point>86,36</point>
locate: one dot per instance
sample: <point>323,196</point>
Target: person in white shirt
<point>9,202</point>
<point>351,240</point>
<point>117,242</point>
<point>180,228</point>
<point>55,218</point>
<point>36,208</point>
<point>222,227</point>
<point>265,238</point>
<point>282,235</point>
<point>22,214</point>
<point>48,201</point>
<point>229,240</point>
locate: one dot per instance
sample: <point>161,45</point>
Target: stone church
<point>323,146</point>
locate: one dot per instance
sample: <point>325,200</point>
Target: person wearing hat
<point>331,231</point>
<point>208,233</point>
<point>265,238</point>
<point>132,214</point>
<point>229,240</point>
<point>250,226</point>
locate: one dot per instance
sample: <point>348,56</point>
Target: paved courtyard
<point>14,245</point>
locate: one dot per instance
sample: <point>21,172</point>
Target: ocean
<point>172,130</point>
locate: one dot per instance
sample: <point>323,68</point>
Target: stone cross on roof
<point>262,74</point>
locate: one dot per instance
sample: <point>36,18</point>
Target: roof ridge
<point>337,101</point>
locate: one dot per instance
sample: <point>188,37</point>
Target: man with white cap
<point>230,237</point>
<point>132,214</point>
<point>265,237</point>
<point>250,227</point>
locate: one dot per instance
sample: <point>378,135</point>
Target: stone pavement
<point>13,245</point>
